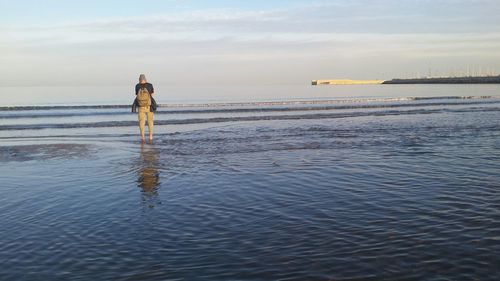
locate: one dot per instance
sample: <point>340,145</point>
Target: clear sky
<point>45,42</point>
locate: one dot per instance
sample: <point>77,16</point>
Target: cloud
<point>306,22</point>
<point>313,39</point>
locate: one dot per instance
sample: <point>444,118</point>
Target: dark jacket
<point>148,86</point>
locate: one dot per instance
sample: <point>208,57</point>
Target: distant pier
<point>346,82</point>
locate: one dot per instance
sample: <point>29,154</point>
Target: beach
<point>381,185</point>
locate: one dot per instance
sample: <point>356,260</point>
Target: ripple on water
<point>382,198</point>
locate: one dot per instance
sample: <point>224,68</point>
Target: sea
<point>271,182</point>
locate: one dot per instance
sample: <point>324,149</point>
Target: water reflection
<point>149,175</point>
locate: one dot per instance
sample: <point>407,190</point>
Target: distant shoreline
<point>427,80</point>
<point>448,80</point>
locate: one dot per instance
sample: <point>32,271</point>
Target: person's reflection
<point>149,176</point>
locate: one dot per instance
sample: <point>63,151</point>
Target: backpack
<point>143,97</point>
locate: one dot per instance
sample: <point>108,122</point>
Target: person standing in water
<point>144,94</point>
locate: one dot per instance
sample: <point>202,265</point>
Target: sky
<point>94,43</point>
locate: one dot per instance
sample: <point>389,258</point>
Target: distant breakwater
<point>346,82</point>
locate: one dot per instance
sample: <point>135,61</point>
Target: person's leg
<point>142,121</point>
<point>151,117</point>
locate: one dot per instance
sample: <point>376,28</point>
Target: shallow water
<point>404,189</point>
